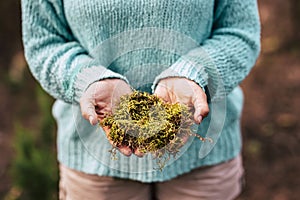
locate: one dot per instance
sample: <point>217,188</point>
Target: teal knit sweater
<point>70,44</point>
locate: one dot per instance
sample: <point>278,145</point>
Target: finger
<point>126,150</point>
<point>201,109</point>
<point>88,111</point>
<point>138,153</point>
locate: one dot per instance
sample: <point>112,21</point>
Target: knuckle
<point>206,111</point>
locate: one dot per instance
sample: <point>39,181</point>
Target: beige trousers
<point>220,182</point>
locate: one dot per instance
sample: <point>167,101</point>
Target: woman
<point>87,54</point>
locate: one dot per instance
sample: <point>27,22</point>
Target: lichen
<point>145,122</point>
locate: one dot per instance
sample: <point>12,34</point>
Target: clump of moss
<point>145,122</point>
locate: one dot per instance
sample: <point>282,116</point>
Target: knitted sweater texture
<point>70,44</point>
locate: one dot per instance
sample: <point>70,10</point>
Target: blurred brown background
<point>271,128</point>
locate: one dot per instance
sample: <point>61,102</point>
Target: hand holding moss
<point>147,124</point>
<point>184,91</point>
<point>99,100</point>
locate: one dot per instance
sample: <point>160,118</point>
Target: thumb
<point>201,109</point>
<point>88,111</point>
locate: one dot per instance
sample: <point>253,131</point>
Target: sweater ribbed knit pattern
<point>69,44</point>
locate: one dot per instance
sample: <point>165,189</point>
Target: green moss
<point>148,123</point>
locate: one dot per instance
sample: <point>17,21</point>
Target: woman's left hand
<point>184,91</point>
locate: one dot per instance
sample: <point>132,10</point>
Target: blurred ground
<point>271,128</point>
<point>10,45</point>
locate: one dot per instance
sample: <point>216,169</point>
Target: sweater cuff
<point>185,67</point>
<point>90,75</point>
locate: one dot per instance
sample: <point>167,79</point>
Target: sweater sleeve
<point>226,57</point>
<point>59,63</point>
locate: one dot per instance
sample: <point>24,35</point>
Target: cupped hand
<point>187,92</point>
<point>184,91</point>
<point>100,98</point>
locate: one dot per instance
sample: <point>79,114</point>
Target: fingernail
<point>91,119</point>
<point>200,119</point>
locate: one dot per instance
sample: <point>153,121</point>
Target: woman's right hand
<point>100,98</point>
